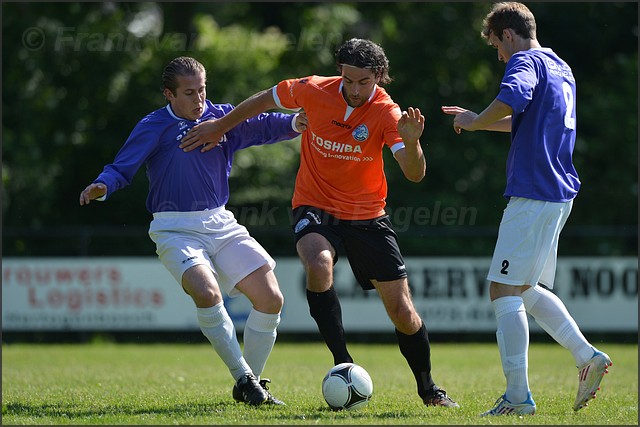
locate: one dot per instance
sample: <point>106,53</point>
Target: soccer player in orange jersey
<point>340,193</point>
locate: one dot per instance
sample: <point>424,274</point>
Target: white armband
<point>397,146</point>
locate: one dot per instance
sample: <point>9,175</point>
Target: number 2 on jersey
<point>569,121</point>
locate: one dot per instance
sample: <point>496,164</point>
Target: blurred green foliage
<point>78,76</point>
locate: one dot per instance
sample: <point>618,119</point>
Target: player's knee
<point>405,319</point>
<point>275,298</point>
<point>270,300</point>
<point>499,290</point>
<point>276,301</point>
<point>205,296</point>
<point>320,264</point>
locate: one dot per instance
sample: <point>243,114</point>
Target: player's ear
<point>168,94</point>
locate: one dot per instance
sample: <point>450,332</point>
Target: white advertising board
<point>451,294</point>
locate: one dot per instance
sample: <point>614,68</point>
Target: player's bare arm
<point>496,117</point>
<point>92,192</point>
<point>208,134</point>
<point>411,158</point>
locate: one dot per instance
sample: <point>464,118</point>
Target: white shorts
<point>213,238</point>
<point>527,246</point>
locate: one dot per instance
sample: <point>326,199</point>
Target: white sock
<point>513,342</point>
<point>259,336</point>
<point>552,315</point>
<point>217,326</point>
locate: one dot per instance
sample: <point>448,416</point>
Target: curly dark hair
<point>181,66</point>
<point>364,54</point>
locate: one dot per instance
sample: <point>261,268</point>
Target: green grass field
<point>188,384</point>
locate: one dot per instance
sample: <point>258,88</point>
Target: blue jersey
<point>541,90</point>
<point>193,181</point>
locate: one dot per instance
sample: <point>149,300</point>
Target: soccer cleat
<point>271,399</point>
<point>504,407</point>
<point>589,377</point>
<point>438,397</point>
<point>249,390</point>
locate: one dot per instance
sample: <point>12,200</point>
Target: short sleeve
<point>518,83</point>
<point>291,94</point>
<point>392,138</point>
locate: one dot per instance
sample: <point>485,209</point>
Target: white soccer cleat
<point>504,407</point>
<point>589,378</point>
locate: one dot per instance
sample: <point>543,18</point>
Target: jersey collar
<point>205,108</point>
<point>351,109</point>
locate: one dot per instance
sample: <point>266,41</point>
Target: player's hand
<point>411,125</point>
<point>93,191</point>
<point>463,117</point>
<point>207,135</point>
<point>302,122</point>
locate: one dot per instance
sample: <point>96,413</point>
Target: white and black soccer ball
<point>347,386</point>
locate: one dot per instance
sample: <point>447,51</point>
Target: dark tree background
<point>76,78</point>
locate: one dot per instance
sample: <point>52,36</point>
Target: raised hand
<point>411,125</point>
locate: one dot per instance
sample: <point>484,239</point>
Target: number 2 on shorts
<point>505,265</point>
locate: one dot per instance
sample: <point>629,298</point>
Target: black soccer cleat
<point>438,397</point>
<point>270,400</point>
<point>249,390</point>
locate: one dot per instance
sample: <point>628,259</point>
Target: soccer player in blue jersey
<point>537,104</point>
<point>198,240</point>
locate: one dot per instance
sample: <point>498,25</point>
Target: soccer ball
<point>347,386</point>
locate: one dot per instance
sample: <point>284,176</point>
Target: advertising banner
<point>451,294</point>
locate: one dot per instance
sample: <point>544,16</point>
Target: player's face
<point>504,46</point>
<point>188,101</point>
<point>357,84</point>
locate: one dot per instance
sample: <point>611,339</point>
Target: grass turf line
<point>188,384</point>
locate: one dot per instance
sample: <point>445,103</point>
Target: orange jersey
<point>341,165</point>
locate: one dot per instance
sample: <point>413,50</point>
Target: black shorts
<point>371,245</point>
